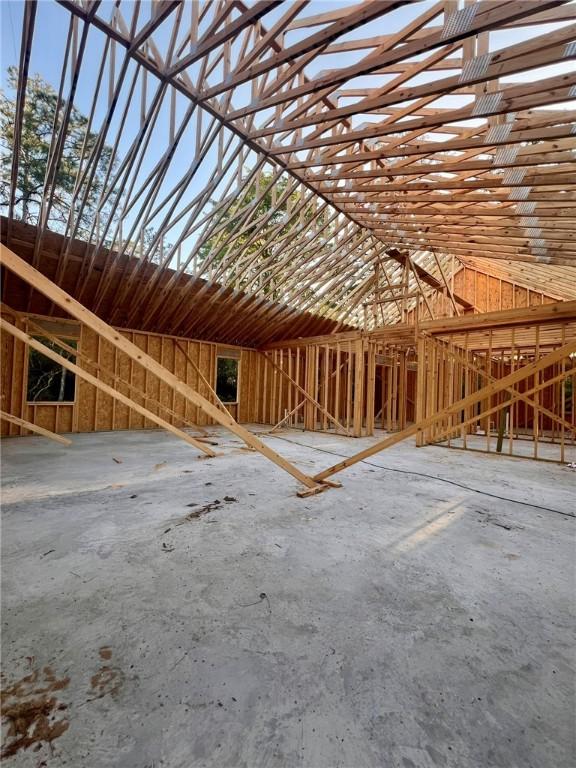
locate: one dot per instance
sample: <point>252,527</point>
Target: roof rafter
<point>285,194</point>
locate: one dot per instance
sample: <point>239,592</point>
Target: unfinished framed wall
<point>395,377</point>
<point>535,419</point>
<point>315,385</point>
<point>194,362</point>
<point>349,383</point>
<point>395,387</point>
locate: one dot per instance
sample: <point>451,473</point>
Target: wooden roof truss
<point>306,159</point>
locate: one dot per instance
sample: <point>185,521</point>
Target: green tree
<point>35,140</point>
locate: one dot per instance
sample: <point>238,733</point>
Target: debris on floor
<point>488,518</point>
<point>262,596</point>
<point>210,507</point>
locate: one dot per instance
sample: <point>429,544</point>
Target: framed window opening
<point>47,381</point>
<point>227,379</point>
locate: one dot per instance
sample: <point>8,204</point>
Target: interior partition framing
<point>535,419</point>
<point>395,377</point>
<point>349,384</point>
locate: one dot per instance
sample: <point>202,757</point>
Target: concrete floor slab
<point>402,621</point>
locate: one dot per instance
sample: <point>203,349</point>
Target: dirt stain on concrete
<point>31,712</point>
<point>107,681</point>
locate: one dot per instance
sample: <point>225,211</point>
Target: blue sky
<point>52,23</point>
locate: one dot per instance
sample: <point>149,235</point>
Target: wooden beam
<point>213,39</point>
<point>355,16</point>
<point>244,82</point>
<point>514,398</point>
<point>81,373</point>
<point>523,396</point>
<point>35,428</point>
<point>508,318</point>
<point>79,354</point>
<point>488,15</point>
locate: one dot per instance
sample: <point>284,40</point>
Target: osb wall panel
<point>251,394</point>
<point>491,294</point>
<point>486,293</point>
<point>13,395</point>
<point>98,411</point>
<point>94,410</point>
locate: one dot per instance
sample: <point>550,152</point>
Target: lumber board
<point>37,280</point>
<point>35,428</point>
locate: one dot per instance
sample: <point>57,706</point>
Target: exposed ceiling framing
<point>307,158</point>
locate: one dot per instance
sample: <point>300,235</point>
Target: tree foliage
<point>40,125</point>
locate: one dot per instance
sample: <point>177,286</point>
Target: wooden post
<point>502,426</point>
<point>358,400</point>
<point>421,383</point>
<point>370,387</point>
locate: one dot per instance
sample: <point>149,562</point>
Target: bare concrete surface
<point>398,622</point>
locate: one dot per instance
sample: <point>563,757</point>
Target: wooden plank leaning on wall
<point>104,373</point>
<point>35,428</point>
<point>81,373</point>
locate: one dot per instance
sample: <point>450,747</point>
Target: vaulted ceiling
<point>319,155</point>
